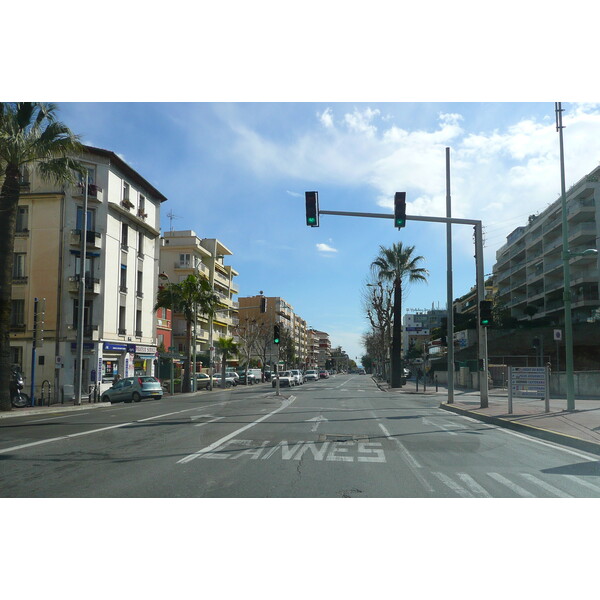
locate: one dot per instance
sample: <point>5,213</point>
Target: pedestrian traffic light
<point>312,209</point>
<point>400,209</point>
<point>263,305</point>
<point>485,312</point>
<point>276,334</point>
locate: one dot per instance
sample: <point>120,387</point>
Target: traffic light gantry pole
<point>313,221</point>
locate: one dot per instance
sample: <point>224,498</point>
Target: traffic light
<point>276,334</point>
<point>400,209</point>
<point>312,208</point>
<point>485,312</point>
<point>263,305</point>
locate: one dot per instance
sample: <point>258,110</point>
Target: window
<point>140,284</point>
<point>140,244</point>
<point>123,279</point>
<point>185,260</point>
<point>24,175</point>
<point>142,206</point>
<point>16,356</point>
<point>138,323</point>
<point>124,235</point>
<point>122,315</point>
<point>17,313</point>
<point>19,265</point>
<point>87,312</point>
<point>89,220</point>
<point>125,191</point>
<point>89,267</point>
<point>22,219</point>
<point>91,173</point>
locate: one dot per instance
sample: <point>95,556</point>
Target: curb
<point>16,412</point>
<point>544,434</point>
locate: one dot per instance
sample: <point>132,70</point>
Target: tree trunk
<point>396,354</point>
<point>223,369</point>
<point>9,200</point>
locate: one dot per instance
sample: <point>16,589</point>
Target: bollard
<point>436,383</point>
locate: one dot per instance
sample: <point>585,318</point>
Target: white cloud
<point>499,175</point>
<point>325,248</point>
<point>293,194</point>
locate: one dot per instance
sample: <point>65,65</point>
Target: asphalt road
<point>341,437</point>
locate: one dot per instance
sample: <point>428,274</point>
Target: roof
<point>126,170</point>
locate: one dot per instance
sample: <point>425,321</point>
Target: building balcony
<point>93,239</point>
<point>583,230</point>
<point>95,192</point>
<point>89,332</point>
<point>92,285</point>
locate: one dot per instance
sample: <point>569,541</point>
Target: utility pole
<point>449,292</point>
<point>482,331</point>
<point>566,268</point>
<point>82,282</point>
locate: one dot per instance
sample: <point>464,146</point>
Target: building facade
<point>120,272</point>
<point>183,253</point>
<point>529,267</point>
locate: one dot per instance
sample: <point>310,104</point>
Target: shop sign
<point>110,347</point>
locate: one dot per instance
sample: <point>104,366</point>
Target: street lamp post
<point>171,347</point>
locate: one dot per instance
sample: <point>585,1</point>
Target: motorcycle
<point>18,398</point>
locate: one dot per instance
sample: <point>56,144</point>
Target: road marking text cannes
<point>346,451</point>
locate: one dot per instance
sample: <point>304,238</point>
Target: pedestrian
<point>116,378</point>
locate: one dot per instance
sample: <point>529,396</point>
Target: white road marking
<point>72,435</point>
<point>513,486</point>
<point>583,482</point>
<point>529,438</point>
<point>474,486</point>
<point>413,465</point>
<point>317,420</point>
<point>429,422</point>
<point>546,486</point>
<point>457,489</point>
<point>224,439</point>
<point>207,422</point>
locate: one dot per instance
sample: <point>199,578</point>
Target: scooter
<point>18,397</point>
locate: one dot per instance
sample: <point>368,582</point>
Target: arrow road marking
<point>317,420</point>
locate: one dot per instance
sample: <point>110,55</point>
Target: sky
<point>238,172</point>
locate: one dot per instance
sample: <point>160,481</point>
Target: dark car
<point>133,389</point>
<point>251,379</point>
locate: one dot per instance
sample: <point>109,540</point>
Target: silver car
<point>133,389</point>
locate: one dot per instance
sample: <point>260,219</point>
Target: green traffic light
<point>400,223</point>
<point>311,220</point>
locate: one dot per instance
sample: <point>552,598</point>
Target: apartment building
<point>416,327</point>
<point>121,268</point>
<point>529,267</point>
<point>183,253</point>
<point>324,348</point>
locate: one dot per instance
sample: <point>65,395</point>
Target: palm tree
<point>399,266</point>
<point>183,298</point>
<point>228,348</point>
<point>32,138</point>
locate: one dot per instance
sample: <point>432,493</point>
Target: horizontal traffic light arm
<point>408,217</point>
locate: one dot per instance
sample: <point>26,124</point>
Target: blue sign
<point>114,347</point>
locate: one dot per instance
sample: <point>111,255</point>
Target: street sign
<point>528,382</point>
<point>558,335</point>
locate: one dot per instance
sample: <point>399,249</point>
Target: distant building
<point>183,253</point>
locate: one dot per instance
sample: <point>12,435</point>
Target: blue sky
<point>238,172</point>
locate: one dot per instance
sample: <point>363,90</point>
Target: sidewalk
<point>578,429</point>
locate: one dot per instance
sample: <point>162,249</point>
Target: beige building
<point>184,253</point>
<point>121,268</point>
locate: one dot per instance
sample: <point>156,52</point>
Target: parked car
<point>203,381</point>
<point>230,380</point>
<point>234,375</point>
<point>324,375</point>
<point>251,379</point>
<point>311,375</point>
<point>133,389</point>
<point>285,379</point>
<point>298,379</point>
